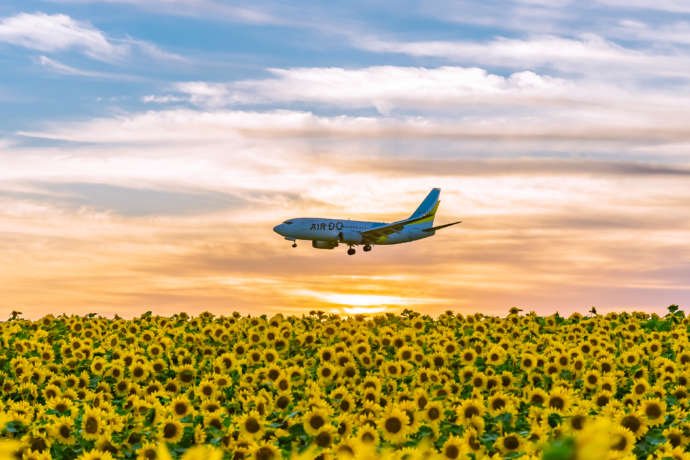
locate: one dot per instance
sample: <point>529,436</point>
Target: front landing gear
<point>367,248</point>
<point>294,245</point>
<point>351,251</point>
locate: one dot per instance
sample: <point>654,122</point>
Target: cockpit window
<point>287,222</point>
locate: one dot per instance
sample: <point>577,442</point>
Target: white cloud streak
<point>444,102</point>
<point>65,69</point>
<point>671,6</point>
<point>248,13</point>
<point>384,87</point>
<point>182,125</point>
<point>590,55</point>
<point>59,32</point>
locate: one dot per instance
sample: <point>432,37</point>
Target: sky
<point>147,149</point>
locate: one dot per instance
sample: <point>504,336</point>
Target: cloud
<point>205,94</point>
<point>152,98</point>
<point>461,167</point>
<point>415,87</point>
<point>151,50</point>
<point>126,201</point>
<point>69,70</point>
<point>59,32</point>
<point>246,13</point>
<point>677,33</point>
<point>671,6</point>
<point>182,125</point>
<point>590,55</point>
<point>454,101</point>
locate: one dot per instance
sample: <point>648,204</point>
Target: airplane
<point>329,233</point>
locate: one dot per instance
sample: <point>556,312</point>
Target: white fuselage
<point>318,229</point>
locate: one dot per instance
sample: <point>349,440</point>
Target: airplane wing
<point>371,235</point>
<point>438,227</point>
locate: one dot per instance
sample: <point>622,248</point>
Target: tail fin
<point>429,205</point>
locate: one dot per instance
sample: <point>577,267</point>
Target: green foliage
<point>560,449</point>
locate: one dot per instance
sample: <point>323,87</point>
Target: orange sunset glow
<point>539,240</point>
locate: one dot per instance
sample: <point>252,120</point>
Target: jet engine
<point>318,244</point>
<point>350,237</point>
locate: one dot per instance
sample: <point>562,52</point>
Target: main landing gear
<point>351,251</point>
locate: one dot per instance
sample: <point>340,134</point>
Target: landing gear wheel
<point>294,245</point>
<point>350,251</point>
<point>367,248</point>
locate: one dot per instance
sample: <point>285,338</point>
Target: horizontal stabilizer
<point>387,229</point>
<point>438,227</point>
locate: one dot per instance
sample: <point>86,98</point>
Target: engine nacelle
<point>350,237</point>
<point>319,244</point>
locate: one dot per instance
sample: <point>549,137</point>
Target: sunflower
<point>250,425</point>
<point>148,451</point>
<point>558,400</point>
<point>469,409</point>
<point>213,420</point>
<point>265,451</point>
<point>368,435</point>
<point>105,444</point>
<point>496,356</point>
<point>95,454</point>
<point>640,388</point>
<point>170,430</point>
<point>537,397</point>
<point>602,399</point>
<point>314,420</point>
<point>327,373</point>
<point>139,371</point>
<point>185,374</point>
<point>452,448</point>
<point>180,406</point>
<point>674,436</point>
<point>433,414</point>
<point>467,356</point>
<point>346,404</point>
<point>622,441</point>
<point>62,406</point>
<point>345,425</point>
<point>92,423</point>
<point>654,411</point>
<point>478,381</point>
<point>591,379</point>
<point>681,394</point>
<point>471,443</point>
<point>324,438</point>
<point>499,403</point>
<point>63,430</point>
<point>394,424</point>
<point>527,362</point>
<point>421,399</point>
<point>207,388</point>
<point>283,401</point>
<point>509,443</point>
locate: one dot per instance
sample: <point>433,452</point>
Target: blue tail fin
<point>429,204</point>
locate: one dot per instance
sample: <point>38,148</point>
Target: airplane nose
<point>277,229</point>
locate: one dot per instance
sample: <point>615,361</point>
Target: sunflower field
<point>320,386</point>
